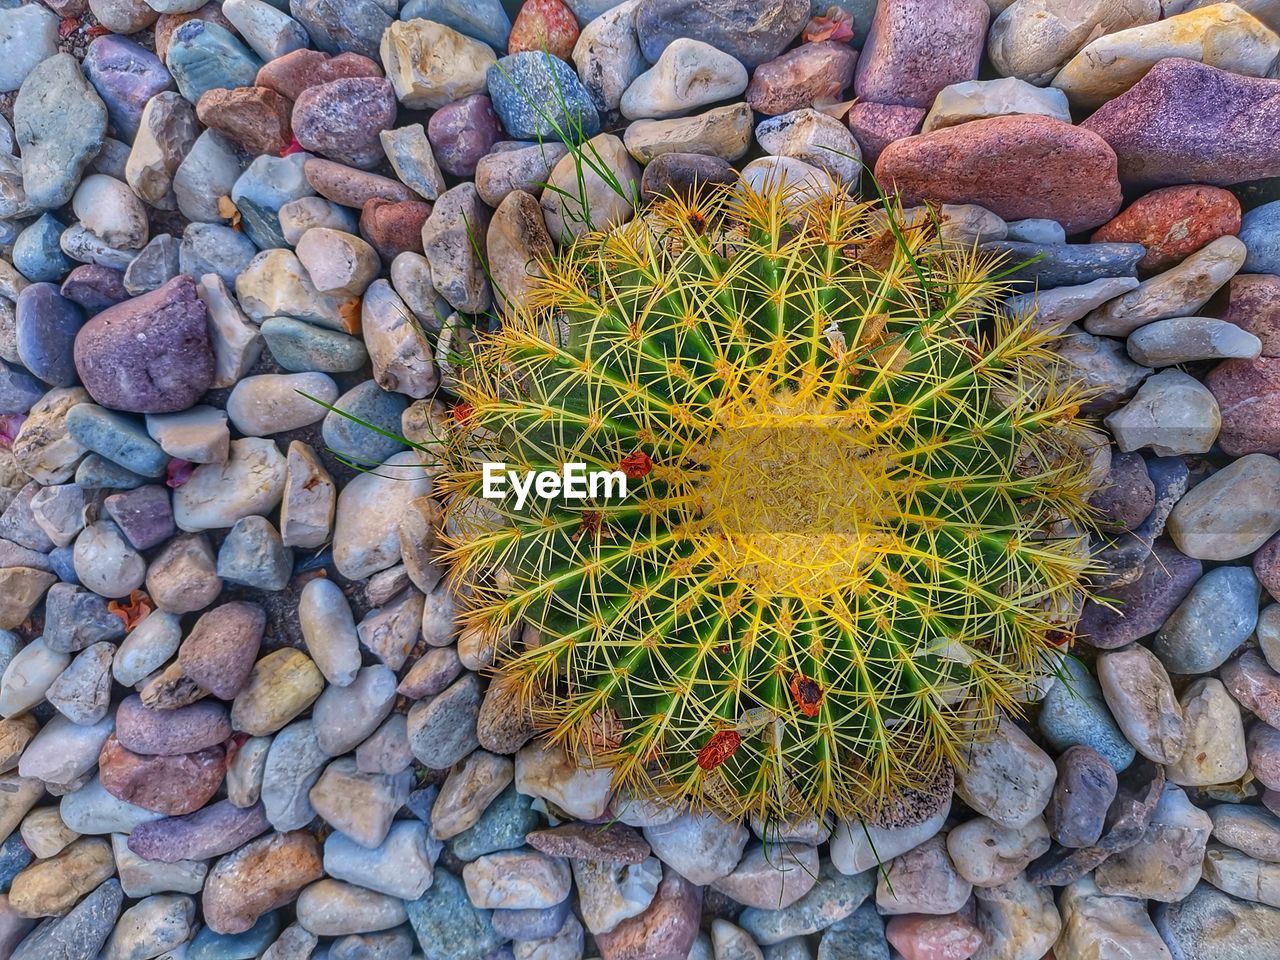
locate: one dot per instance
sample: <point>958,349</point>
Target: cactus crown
<point>854,495</point>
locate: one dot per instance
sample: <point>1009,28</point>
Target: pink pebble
<point>920,937</point>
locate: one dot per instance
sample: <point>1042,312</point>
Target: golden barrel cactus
<point>851,533</point>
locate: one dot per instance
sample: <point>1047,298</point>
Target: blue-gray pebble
<point>860,935</point>
<point>9,645</point>
<point>46,324</point>
<point>1211,622</point>
<point>750,32</point>
<point>9,230</point>
<point>483,20</point>
<point>74,618</point>
<point>302,347</point>
<point>1074,712</point>
<point>253,555</point>
<point>539,97</point>
<point>831,899</point>
<point>96,472</point>
<point>214,248</point>
<point>1260,233</point>
<point>37,253</point>
<point>502,826</point>
<point>81,933</point>
<point>341,26</point>
<point>421,801</point>
<point>1169,476</point>
<point>383,945</point>
<point>207,945</point>
<point>204,56</point>
<point>447,926</point>
<point>1036,231</point>
<point>61,124</point>
<point>352,440</point>
<point>266,185</point>
<point>62,562</point>
<point>1210,925</point>
<point>18,389</point>
<point>119,438</point>
<point>14,857</point>
<point>1067,264</point>
<point>154,266</point>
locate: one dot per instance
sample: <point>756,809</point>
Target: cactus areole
<point>852,532</point>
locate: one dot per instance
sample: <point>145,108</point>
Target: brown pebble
<point>613,842</point>
<point>51,887</point>
<point>255,118</point>
<point>392,228</point>
<point>294,72</point>
<point>173,786</point>
<point>222,647</point>
<point>1174,223</point>
<point>259,877</point>
<point>1018,167</point>
<point>667,928</point>
<point>351,187</point>
<point>813,73</point>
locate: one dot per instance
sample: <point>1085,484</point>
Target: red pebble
<point>1174,223</point>
<point>544,25</point>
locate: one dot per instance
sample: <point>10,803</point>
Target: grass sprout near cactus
<point>854,528</point>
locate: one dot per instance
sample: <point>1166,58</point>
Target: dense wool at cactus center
<point>855,513</point>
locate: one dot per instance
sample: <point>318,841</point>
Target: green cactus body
<point>852,524</point>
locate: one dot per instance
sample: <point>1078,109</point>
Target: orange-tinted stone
<point>294,72</point>
<point>665,931</point>
<point>1018,167</point>
<point>351,187</point>
<point>392,228</point>
<point>1174,223</point>
<point>920,937</point>
<point>544,25</point>
<point>255,118</point>
<point>174,786</point>
<point>259,877</point>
